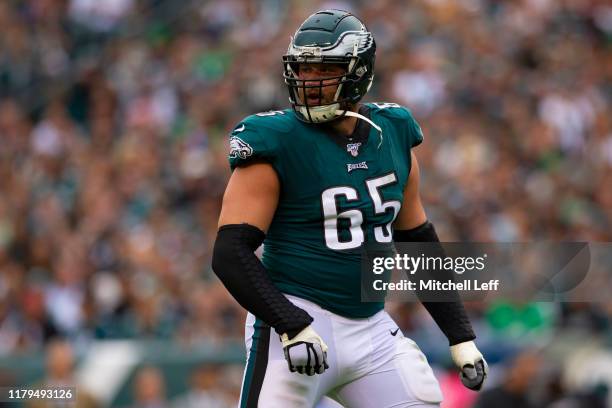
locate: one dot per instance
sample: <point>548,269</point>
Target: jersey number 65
<point>382,233</point>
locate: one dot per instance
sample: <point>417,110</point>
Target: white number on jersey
<point>384,105</point>
<point>331,215</point>
<point>270,113</point>
<point>383,234</point>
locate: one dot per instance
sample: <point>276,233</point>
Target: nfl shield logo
<point>353,148</point>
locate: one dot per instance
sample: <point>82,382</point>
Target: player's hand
<point>472,364</point>
<point>306,353</point>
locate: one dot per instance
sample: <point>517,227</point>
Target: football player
<point>316,183</point>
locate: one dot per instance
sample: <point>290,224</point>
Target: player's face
<point>317,90</point>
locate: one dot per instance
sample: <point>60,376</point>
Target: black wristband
<point>245,277</point>
<point>450,316</point>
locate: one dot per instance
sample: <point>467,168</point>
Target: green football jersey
<point>337,196</point>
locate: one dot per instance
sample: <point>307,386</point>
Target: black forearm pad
<point>244,276</point>
<point>451,317</point>
<point>423,233</point>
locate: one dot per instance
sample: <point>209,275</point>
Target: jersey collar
<point>360,133</point>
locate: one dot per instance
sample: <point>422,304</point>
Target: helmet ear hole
<point>360,71</point>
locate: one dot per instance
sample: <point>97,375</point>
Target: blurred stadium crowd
<point>114,117</point>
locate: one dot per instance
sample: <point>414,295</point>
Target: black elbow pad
<point>451,317</point>
<point>245,277</point>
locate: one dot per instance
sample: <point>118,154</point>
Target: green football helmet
<point>334,37</point>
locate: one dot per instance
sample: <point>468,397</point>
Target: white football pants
<point>371,365</point>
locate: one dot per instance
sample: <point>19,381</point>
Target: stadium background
<point>114,116</point>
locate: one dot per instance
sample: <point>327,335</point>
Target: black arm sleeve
<point>244,276</point>
<point>451,317</point>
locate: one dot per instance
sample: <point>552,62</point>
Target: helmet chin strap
<point>359,116</point>
<point>320,114</point>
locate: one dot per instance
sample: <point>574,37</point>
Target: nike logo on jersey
<point>350,166</point>
<point>393,333</point>
<point>353,148</point>
<point>238,130</point>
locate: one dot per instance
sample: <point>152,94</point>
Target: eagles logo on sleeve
<point>239,148</point>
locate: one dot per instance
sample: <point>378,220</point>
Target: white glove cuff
<point>465,353</point>
<point>306,335</point>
